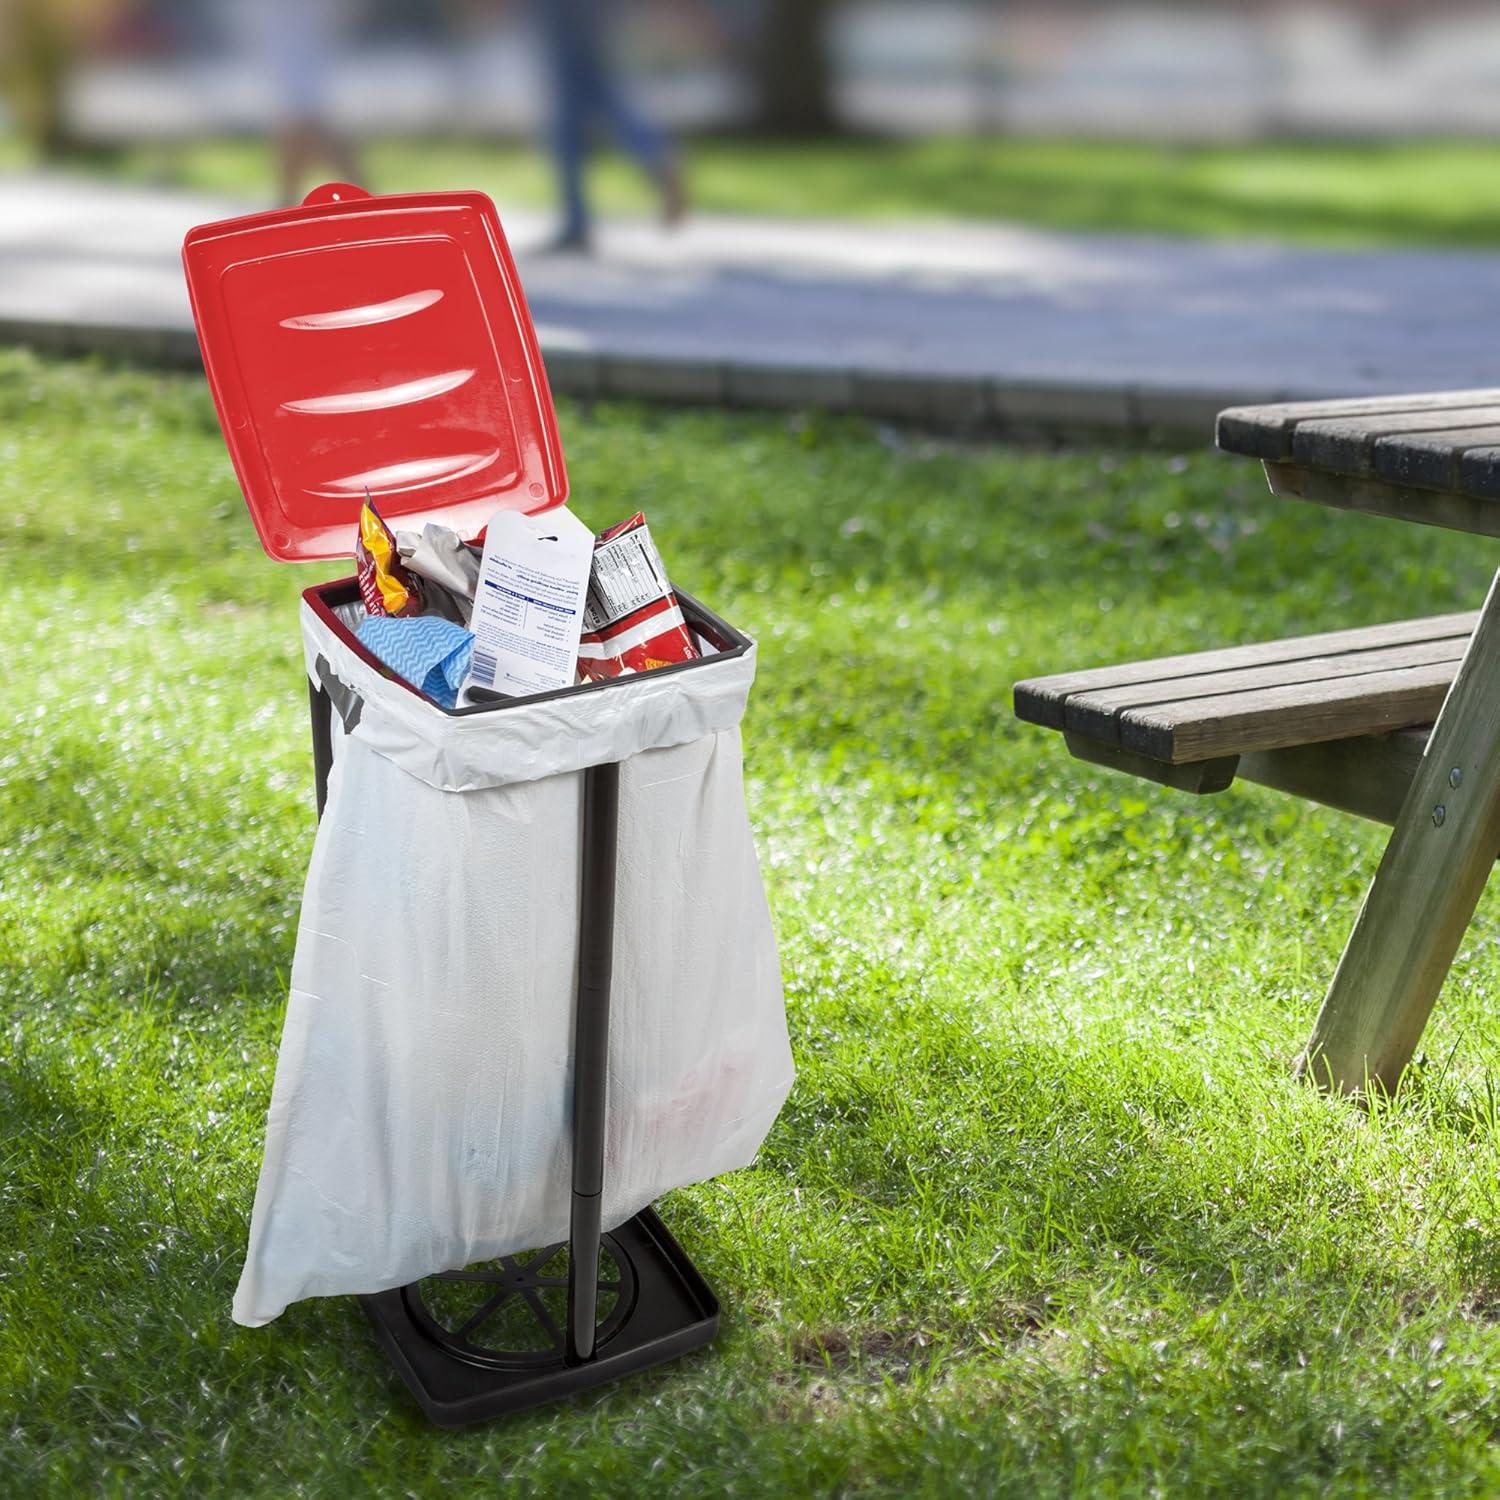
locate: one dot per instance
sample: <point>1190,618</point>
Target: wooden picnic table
<point>1432,459</point>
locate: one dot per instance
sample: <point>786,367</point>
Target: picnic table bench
<point>1399,723</point>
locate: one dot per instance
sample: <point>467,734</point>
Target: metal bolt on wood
<point>1454,777</point>
<point>1439,813</point>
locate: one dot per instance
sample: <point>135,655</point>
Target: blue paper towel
<point>429,652</point>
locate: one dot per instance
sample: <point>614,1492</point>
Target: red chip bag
<point>632,621</point>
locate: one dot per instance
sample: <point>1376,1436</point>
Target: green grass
<point>1046,1213</point>
<point>1435,192</point>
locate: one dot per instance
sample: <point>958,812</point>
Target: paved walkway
<point>968,327</point>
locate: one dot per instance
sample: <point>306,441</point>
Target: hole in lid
<point>537,490</point>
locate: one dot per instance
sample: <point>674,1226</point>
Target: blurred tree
<point>40,40</point>
<point>792,67</point>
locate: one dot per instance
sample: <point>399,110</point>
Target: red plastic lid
<point>359,343</point>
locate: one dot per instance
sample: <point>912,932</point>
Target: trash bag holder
<point>662,1306</point>
<point>382,346</point>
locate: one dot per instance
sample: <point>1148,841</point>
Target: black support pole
<point>596,926</point>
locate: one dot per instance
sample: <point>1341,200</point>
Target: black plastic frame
<point>671,1309</point>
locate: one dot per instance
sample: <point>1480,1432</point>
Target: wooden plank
<point>1203,778</point>
<point>1377,497</point>
<point>1302,713</point>
<point>1425,891</point>
<point>1346,445</point>
<point>1479,472</point>
<point>1368,775</point>
<point>1433,460</point>
<point>1098,715</point>
<point>1266,431</point>
<point>1043,700</point>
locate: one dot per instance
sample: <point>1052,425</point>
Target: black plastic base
<point>658,1307</point>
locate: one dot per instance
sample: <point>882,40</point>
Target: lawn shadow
<point>1043,1164</point>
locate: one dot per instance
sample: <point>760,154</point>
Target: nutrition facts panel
<point>627,576</point>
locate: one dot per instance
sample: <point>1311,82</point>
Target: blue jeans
<point>586,94</point>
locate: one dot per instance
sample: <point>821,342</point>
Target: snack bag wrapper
<point>632,621</point>
<point>386,585</point>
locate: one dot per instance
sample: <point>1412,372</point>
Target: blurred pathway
<point>966,327</point>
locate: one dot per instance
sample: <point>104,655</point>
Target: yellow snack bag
<point>387,586</point>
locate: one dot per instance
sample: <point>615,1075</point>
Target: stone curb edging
<point>973,406</point>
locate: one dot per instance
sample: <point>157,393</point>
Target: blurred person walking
<point>296,43</point>
<point>577,37</point>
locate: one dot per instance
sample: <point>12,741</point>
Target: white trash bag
<point>421,1114</point>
